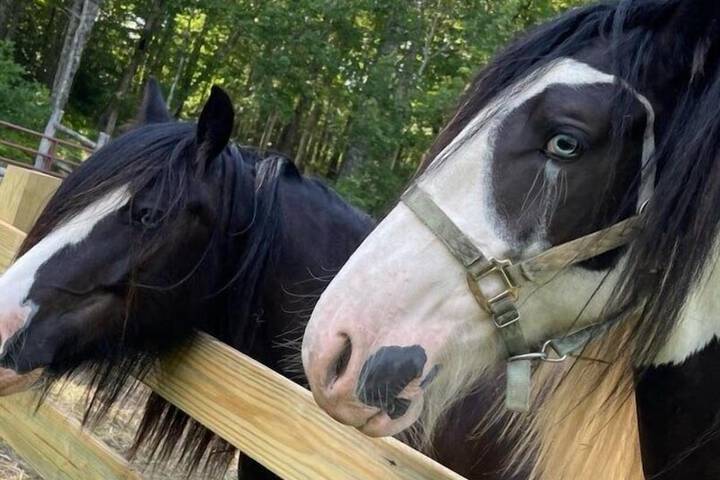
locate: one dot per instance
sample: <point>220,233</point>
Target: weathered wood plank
<point>23,194</point>
<point>276,421</point>
<point>10,240</point>
<point>55,446</point>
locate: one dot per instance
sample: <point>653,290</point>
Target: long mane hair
<point>590,407</point>
<point>229,276</point>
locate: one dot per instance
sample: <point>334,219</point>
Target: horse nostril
<point>342,361</point>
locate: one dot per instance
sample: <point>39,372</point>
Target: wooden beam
<point>10,161</point>
<point>10,240</point>
<point>12,126</point>
<point>23,195</point>
<point>55,445</point>
<point>276,422</point>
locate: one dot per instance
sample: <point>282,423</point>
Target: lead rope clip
<point>519,375</point>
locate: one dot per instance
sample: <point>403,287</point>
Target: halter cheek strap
<point>501,304</point>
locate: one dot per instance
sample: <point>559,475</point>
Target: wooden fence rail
<point>257,410</point>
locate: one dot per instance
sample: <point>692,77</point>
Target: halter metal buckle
<point>499,267</point>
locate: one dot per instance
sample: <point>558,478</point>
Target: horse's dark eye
<point>148,217</point>
<point>563,147</point>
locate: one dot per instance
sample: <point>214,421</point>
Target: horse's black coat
<point>679,415</point>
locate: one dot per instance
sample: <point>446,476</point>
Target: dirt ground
<point>117,431</point>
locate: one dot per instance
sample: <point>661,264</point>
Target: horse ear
<point>153,108</point>
<point>214,126</point>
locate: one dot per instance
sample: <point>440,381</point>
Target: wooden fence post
<point>23,194</point>
<point>46,143</point>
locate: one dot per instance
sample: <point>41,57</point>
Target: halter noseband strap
<point>502,305</point>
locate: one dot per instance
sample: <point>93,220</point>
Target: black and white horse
<point>167,229</point>
<point>602,126</point>
<point>170,228</point>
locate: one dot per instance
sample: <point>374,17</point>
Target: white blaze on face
<point>402,287</point>
<point>16,282</point>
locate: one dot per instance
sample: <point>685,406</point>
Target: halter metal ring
<point>543,355</point>
<point>546,348</point>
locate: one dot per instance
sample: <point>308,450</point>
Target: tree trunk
<point>184,86</point>
<point>70,29</point>
<point>45,67</point>
<point>267,131</point>
<point>346,140</point>
<point>357,147</point>
<point>152,22</point>
<point>396,158</point>
<point>8,21</point>
<point>317,148</point>
<point>307,135</point>
<point>289,135</point>
<point>4,15</point>
<point>176,79</point>
<point>75,41</point>
<point>157,58</point>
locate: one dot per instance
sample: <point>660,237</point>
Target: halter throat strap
<point>501,304</point>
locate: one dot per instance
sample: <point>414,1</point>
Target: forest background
<point>353,90</point>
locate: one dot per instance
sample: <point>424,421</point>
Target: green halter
<point>502,306</point>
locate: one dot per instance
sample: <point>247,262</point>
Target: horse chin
<point>12,382</point>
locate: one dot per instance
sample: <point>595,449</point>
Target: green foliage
<point>373,187</point>
<point>22,101</point>
<point>356,90</point>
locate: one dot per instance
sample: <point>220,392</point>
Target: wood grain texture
<point>23,195</point>
<point>55,446</point>
<point>276,421</point>
<point>10,240</point>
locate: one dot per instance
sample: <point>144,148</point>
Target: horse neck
<point>320,232</point>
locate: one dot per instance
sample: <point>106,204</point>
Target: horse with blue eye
<point>172,228</point>
<point>563,228</point>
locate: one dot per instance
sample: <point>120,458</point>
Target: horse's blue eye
<point>563,146</point>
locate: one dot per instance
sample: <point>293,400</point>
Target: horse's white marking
<point>700,321</point>
<point>16,282</point>
<point>402,287</point>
